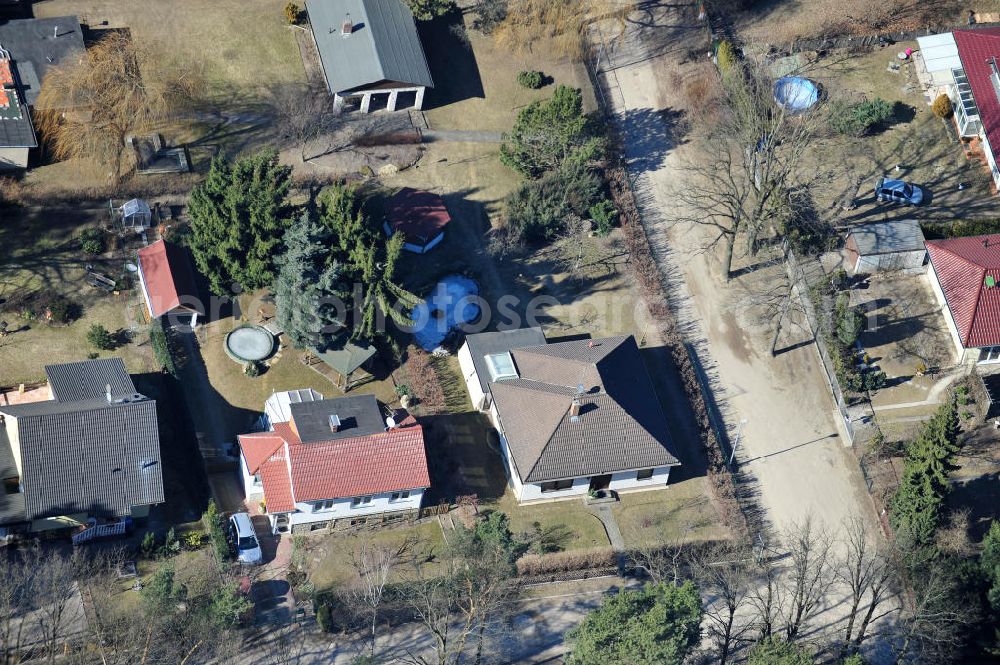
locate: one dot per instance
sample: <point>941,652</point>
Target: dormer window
<point>501,366</point>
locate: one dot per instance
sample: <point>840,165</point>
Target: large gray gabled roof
<point>383,46</point>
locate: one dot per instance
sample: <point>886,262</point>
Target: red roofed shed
<point>168,281</point>
<point>965,273</point>
<point>420,216</point>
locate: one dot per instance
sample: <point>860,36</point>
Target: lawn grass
<point>240,49</point>
<point>575,526</point>
<point>39,251</point>
<point>681,512</point>
<point>328,557</point>
<point>475,87</point>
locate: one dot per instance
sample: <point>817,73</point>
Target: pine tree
<point>210,225</point>
<point>307,287</point>
<point>238,216</point>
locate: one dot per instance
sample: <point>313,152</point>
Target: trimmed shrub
<point>253,369</point>
<point>92,241</point>
<point>726,56</point>
<point>858,119</point>
<point>566,562</point>
<point>163,347</point>
<point>605,216</point>
<point>100,338</point>
<point>292,13</point>
<point>214,524</point>
<point>942,107</point>
<point>531,79</point>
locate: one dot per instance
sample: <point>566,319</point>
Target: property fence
<point>801,282</point>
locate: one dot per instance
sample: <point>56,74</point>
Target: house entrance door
<point>600,482</point>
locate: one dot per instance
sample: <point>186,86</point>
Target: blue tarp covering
<point>795,93</point>
<point>453,302</point>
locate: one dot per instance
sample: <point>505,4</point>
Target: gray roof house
<point>885,246</point>
<point>29,48</point>
<point>89,454</point>
<point>573,417</point>
<point>370,51</point>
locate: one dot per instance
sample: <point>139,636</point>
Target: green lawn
<point>328,557</point>
<point>569,523</point>
<point>679,513</point>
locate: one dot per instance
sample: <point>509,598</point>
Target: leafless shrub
<point>560,23</point>
<point>564,562</point>
<point>423,381</point>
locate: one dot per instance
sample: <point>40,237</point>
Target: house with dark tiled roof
<point>87,457</point>
<point>573,417</point>
<point>965,277</point>
<point>332,463</point>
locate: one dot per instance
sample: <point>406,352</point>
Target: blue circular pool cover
<point>795,93</point>
<point>453,302</point>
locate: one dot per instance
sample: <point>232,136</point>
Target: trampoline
<point>795,93</point>
<point>249,344</point>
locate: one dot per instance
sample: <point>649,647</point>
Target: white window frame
<point>361,501</point>
<point>992,354</point>
<point>320,506</point>
<point>399,496</point>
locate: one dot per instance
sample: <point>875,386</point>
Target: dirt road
<point>789,441</point>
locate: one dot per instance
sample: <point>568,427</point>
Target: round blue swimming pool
<point>452,303</point>
<point>795,93</point>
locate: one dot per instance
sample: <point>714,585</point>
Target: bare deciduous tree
<point>374,565</point>
<point>725,572</point>
<point>808,576</point>
<point>933,623</point>
<point>747,164</point>
<point>305,116</point>
<point>866,570</point>
<point>15,601</point>
<point>121,89</point>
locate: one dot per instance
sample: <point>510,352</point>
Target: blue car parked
<point>898,191</point>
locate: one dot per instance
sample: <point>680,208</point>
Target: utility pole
<point>736,441</point>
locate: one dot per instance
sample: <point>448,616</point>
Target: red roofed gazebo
<point>168,282</point>
<point>965,275</point>
<point>420,216</point>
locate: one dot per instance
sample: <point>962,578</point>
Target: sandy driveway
<point>789,442</point>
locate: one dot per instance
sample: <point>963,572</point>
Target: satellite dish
<point>390,422</point>
<point>131,267</point>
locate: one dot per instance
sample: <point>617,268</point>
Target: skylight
<point>501,366</point>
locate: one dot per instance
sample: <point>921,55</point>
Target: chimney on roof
<point>590,344</point>
<point>107,392</point>
<point>334,423</point>
<point>574,409</point>
<point>347,27</point>
<point>55,31</point>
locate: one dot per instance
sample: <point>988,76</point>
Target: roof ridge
<point>546,445</point>
<point>936,244</point>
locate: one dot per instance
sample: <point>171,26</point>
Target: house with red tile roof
<point>964,64</point>
<point>167,282</point>
<point>965,277</point>
<point>333,463</point>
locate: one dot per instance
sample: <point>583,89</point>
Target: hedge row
<point>650,281</point>
<point>565,562</point>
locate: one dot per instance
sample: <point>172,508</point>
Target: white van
<point>244,539</point>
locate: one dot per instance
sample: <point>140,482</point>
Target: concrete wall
<point>994,171</point>
<point>480,400</point>
<point>13,159</point>
<point>625,481</point>
<point>253,489</point>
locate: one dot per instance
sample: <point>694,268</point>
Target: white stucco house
<point>573,417</point>
<point>965,278</point>
<point>332,463</point>
<point>963,65</point>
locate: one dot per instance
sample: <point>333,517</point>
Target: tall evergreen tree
<point>307,287</point>
<point>659,623</point>
<point>368,260</point>
<point>238,216</point>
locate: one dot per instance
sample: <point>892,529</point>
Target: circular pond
<point>249,343</point>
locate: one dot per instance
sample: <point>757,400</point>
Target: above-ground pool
<point>249,343</point>
<point>795,93</point>
<point>452,303</point>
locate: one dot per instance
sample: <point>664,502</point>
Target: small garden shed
<point>420,216</point>
<point>885,246</point>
